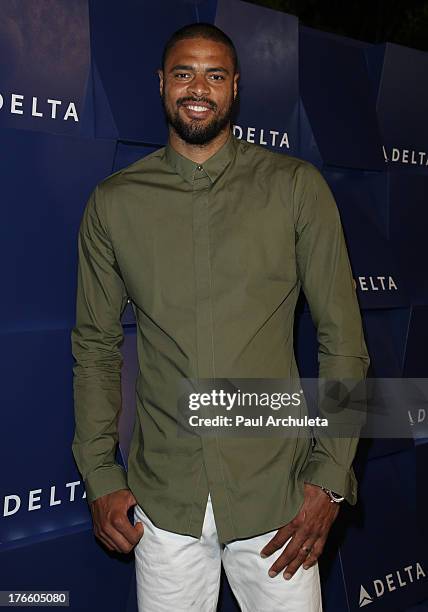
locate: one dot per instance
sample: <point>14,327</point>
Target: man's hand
<point>309,529</point>
<point>111,522</point>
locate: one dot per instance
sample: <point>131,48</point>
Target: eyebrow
<point>186,67</point>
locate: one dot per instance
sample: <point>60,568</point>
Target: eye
<point>217,77</point>
<point>181,75</point>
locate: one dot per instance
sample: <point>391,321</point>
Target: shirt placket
<point>205,345</point>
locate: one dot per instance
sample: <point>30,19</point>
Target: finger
<point>315,553</point>
<point>278,541</point>
<point>292,551</point>
<point>308,548</point>
<point>120,543</point>
<point>115,535</point>
<point>132,534</point>
<point>108,543</point>
<point>310,561</point>
<point>300,558</point>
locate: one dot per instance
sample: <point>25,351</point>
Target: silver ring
<point>306,549</point>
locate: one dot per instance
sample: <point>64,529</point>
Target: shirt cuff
<point>332,476</point>
<point>103,480</point>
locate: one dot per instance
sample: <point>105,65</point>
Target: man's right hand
<point>111,522</point>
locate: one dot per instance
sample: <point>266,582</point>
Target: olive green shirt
<point>212,258</point>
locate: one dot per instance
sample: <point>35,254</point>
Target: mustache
<point>210,103</point>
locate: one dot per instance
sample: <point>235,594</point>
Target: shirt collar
<point>213,166</point>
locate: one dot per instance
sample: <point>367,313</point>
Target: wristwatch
<point>334,497</point>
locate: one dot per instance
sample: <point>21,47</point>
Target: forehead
<point>199,51</point>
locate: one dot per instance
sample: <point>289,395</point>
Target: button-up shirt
<point>212,257</point>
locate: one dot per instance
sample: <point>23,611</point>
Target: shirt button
<point>199,167</point>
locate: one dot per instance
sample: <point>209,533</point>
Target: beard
<point>197,132</point>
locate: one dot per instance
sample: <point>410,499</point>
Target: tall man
<point>211,239</point>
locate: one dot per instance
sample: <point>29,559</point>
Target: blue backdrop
<point>79,100</point>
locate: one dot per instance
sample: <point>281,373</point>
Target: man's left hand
<point>309,530</point>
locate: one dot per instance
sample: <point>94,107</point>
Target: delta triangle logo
<point>403,577</point>
<point>364,597</point>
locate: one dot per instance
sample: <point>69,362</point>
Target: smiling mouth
<point>195,109</point>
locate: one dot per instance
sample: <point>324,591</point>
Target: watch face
<point>333,496</point>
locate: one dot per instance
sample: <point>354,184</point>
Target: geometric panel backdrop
<point>79,100</point>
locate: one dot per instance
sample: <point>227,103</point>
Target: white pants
<point>181,573</point>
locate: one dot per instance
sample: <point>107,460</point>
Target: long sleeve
<point>325,273</point>
<point>96,340</point>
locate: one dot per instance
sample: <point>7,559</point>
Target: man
<point>211,239</point>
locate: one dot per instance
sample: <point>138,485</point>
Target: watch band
<point>334,497</point>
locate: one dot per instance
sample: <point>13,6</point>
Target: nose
<point>198,86</point>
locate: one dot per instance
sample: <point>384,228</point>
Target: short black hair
<point>201,30</point>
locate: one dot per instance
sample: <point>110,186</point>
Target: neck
<point>198,153</point>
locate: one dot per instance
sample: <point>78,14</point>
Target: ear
<point>160,74</point>
<point>235,84</point>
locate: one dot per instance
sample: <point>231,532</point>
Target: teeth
<point>197,108</point>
